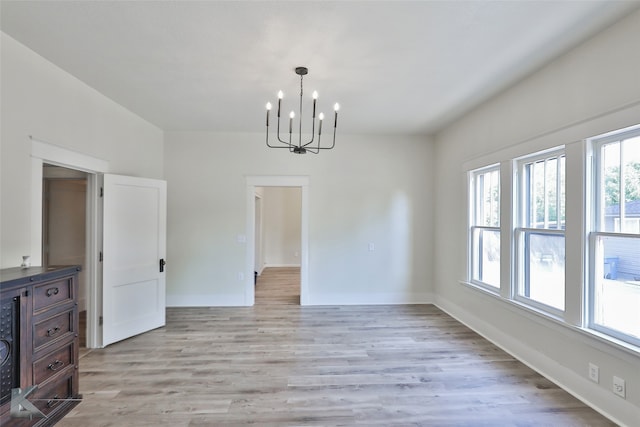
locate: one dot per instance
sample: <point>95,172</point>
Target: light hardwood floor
<point>279,364</point>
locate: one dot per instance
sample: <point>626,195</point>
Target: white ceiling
<point>395,67</point>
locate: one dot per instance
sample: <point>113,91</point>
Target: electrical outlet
<point>372,247</point>
<point>241,276</point>
<point>618,387</point>
<point>594,373</point>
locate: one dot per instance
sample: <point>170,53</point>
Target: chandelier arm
<point>333,143</point>
<point>310,142</point>
<point>313,131</point>
<point>277,146</point>
<point>267,137</point>
<point>280,139</point>
<point>310,150</point>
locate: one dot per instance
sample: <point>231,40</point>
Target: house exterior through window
<point>614,282</point>
<point>485,227</point>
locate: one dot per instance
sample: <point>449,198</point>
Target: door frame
<point>258,235</point>
<point>44,152</point>
<point>252,182</point>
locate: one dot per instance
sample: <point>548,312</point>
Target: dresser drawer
<point>53,328</point>
<point>50,397</point>
<point>51,293</point>
<point>54,362</point>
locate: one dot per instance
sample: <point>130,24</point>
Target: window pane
<point>544,269</point>
<point>616,295</point>
<point>621,175</point>
<point>630,217</point>
<point>562,196</point>
<point>486,252</point>
<point>494,197</point>
<point>551,195</point>
<point>611,187</point>
<point>544,182</point>
<point>537,196</point>
<point>488,194</point>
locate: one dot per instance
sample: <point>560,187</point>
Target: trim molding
<point>209,300</point>
<point>578,386</point>
<point>384,298</point>
<point>276,181</point>
<point>267,265</point>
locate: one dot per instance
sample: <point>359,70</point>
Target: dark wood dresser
<point>39,341</point>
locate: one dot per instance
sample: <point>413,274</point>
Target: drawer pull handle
<point>53,331</point>
<point>52,291</point>
<point>56,365</point>
<point>53,401</point>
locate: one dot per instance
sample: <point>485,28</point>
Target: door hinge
<point>100,257</point>
<point>101,192</point>
<point>100,320</point>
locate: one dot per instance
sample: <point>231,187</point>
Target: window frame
<point>522,230</point>
<point>473,207</point>
<point>597,231</point>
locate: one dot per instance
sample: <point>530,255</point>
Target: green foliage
<point>612,184</point>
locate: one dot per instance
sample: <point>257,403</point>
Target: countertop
<point>18,276</point>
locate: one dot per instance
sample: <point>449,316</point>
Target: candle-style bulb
<point>315,94</point>
<point>280,95</point>
<point>292,115</point>
<point>336,107</point>
<point>268,111</point>
<point>321,116</point>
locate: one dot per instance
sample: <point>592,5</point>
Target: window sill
<point>483,287</point>
<point>588,336</point>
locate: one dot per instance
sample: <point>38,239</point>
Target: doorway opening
<point>290,252</point>
<point>277,245</point>
<point>64,229</point>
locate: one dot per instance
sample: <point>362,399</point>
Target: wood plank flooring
<point>280,364</point>
<point>277,286</point>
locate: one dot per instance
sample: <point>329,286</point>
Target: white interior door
<point>134,250</point>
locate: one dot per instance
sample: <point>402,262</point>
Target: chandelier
<point>299,147</point>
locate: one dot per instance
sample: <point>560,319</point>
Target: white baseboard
<point>370,298</point>
<point>597,398</point>
<point>205,300</point>
<point>280,265</point>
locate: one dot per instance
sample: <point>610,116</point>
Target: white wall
<point>368,189</point>
<point>592,90</point>
<point>41,100</point>
<point>281,226</point>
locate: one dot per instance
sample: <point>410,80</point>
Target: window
<point>539,236</point>
<point>614,285</point>
<point>602,277</point>
<point>484,216</point>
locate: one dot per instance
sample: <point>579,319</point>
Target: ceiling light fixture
<point>301,148</point>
